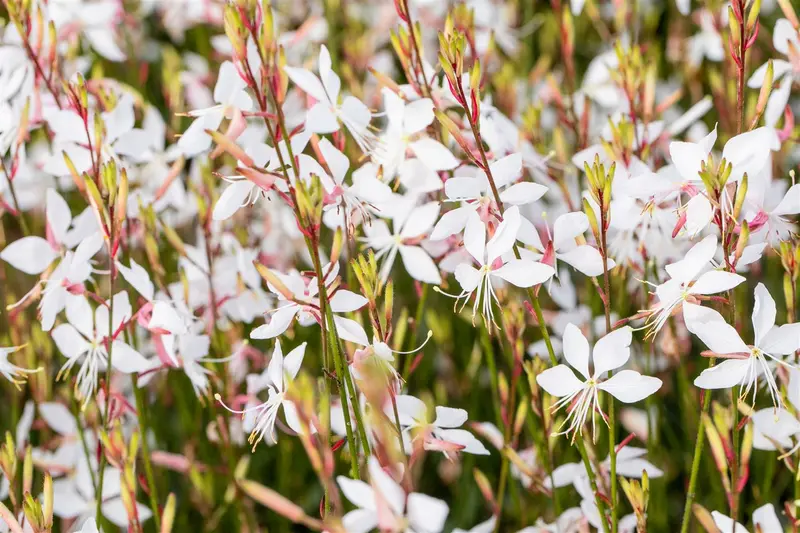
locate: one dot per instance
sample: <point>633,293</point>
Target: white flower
<point>303,303</point>
<point>688,277</point>
<point>476,196</point>
<point>561,246</point>
<point>492,268</point>
<point>75,497</point>
<point>745,362</point>
<point>786,40</point>
<point>231,99</point>
<point>11,372</point>
<point>581,397</point>
<point>325,115</point>
<point>280,373</point>
<point>440,434</point>
<point>408,232</point>
<point>87,339</point>
<point>383,504</point>
<point>764,518</point>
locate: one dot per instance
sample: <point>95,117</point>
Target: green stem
<point>698,453</point>
<point>593,482</point>
<point>148,466</point>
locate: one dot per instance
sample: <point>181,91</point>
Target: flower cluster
<point>409,266</point>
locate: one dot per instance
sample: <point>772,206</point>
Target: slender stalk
<point>612,422</point>
<point>110,350</point>
<point>698,453</point>
<point>141,410</point>
<point>593,482</point>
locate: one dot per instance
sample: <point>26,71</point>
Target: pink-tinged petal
<point>559,381</point>
<point>629,386</point>
<point>505,236</point>
<point>764,313</point>
<point>524,273</point>
<point>715,281</point>
<point>576,349</point>
<point>385,487</point>
<point>475,238</point>
<point>31,255</point>
<point>612,351</point>
<point>725,375</point>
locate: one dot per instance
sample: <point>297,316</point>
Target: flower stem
<point>698,453</point>
<point>593,482</point>
<point>141,410</point>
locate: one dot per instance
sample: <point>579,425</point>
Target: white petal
<point>434,154</point>
<point>58,215</point>
<point>567,227</point>
<point>576,349</point>
<point>694,261</point>
<point>790,205</point>
<point>426,513</point>
<point>468,277</point>
<point>628,386</point>
<point>721,337</point>
<point>687,158</point>
<point>419,265</point>
<point>308,82</point>
<point>475,238</point>
<point>231,199</point>
<point>559,381</point>
<point>321,119</point>
<point>448,417</point>
<point>715,281</point>
<point>524,273</point>
<point>586,259</point>
<point>764,313</point>
<point>357,492</point>
<point>420,220</point>
<point>505,236</point>
<point>506,170</point>
<point>350,330</point>
<point>523,193</point>
<point>391,492</point>
<point>345,301</point>
<point>725,375</point>
<point>31,255</point>
<point>139,279</point>
<point>69,342</point>
<point>612,351</point>
<point>58,418</point>
<point>417,115</point>
<point>127,360</point>
<point>451,223</point>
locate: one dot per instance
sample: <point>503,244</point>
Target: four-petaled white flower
<point>581,396</point>
<point>491,266</point>
<point>383,504</point>
<point>745,363</point>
